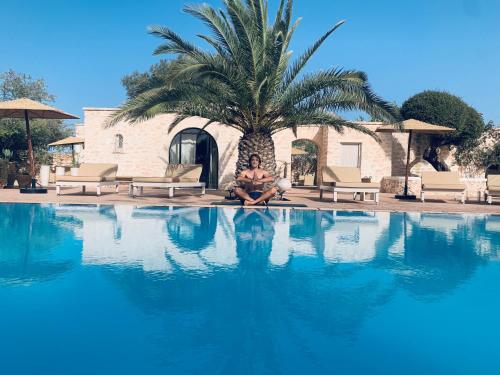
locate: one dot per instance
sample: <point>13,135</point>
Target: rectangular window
<point>350,155</point>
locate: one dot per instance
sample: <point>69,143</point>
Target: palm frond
<point>245,79</point>
<point>299,64</point>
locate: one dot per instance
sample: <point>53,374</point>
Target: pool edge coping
<point>333,209</point>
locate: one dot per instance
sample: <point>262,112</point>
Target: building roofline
<point>114,109</point>
<point>107,109</point>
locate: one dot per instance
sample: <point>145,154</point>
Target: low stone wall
<point>62,160</point>
<point>395,185</point>
<point>475,187</point>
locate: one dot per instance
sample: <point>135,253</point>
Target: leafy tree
<point>306,145</point>
<point>13,131</point>
<point>487,155</point>
<point>492,156</point>
<point>137,83</point>
<point>247,80</point>
<point>442,108</point>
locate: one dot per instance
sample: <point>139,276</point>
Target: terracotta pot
<point>11,178</point>
<point>24,180</point>
<point>12,167</point>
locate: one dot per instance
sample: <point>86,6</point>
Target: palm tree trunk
<point>256,143</point>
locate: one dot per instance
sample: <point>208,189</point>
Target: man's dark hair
<point>254,156</point>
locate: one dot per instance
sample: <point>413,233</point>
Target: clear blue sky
<point>83,48</point>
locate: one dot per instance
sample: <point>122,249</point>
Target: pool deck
<point>297,197</point>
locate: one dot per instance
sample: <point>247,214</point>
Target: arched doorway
<point>196,146</point>
<point>304,162</point>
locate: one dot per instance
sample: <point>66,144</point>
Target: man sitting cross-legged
<point>253,180</point>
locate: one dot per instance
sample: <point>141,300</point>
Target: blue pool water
<point>124,290</point>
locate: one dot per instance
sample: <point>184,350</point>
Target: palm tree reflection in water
<point>254,232</point>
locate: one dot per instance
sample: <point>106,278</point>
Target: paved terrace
<point>305,197</point>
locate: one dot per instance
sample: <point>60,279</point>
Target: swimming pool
<point>126,290</point>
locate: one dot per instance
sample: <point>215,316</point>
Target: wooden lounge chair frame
<point>138,187</point>
<point>336,174</point>
<point>492,181</point>
<point>174,176</point>
<point>93,171</point>
<point>435,179</point>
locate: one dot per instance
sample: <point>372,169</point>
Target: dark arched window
<point>118,143</point>
<point>196,146</point>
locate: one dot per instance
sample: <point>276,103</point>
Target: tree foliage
<point>247,79</point>
<point>136,83</point>
<point>492,155</point>
<point>15,85</point>
<point>484,154</point>
<point>442,108</point>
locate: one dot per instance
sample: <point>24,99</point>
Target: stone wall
<point>395,185</point>
<point>146,145</point>
<point>80,131</point>
<point>399,148</point>
<point>60,159</point>
<point>376,157</point>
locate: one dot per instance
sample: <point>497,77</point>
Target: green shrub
<point>4,172</point>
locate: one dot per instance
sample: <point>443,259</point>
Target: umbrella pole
<point>33,189</point>
<point>31,157</point>
<point>405,194</point>
<point>408,163</point>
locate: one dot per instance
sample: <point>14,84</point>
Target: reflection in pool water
<point>118,289</point>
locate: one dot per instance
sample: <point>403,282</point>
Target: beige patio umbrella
<point>418,127</point>
<point>70,141</point>
<point>30,109</point>
<point>67,142</point>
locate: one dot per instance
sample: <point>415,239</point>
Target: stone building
<point>145,148</point>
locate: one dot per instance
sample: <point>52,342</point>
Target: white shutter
<point>350,155</point>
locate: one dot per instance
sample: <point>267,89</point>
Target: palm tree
<point>248,81</point>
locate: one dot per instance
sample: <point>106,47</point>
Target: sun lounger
<point>176,176</point>
<point>90,175</point>
<point>346,180</point>
<point>306,180</point>
<point>442,182</point>
<point>492,187</point>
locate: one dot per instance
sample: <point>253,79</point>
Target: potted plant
<point>74,162</point>
<point>44,160</point>
<point>11,168</point>
<point>23,178</point>
<point>60,169</point>
<point>4,168</point>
